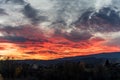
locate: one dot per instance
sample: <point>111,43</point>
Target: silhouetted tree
<point>107,63</point>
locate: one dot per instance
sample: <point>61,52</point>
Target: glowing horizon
<point>53,50</point>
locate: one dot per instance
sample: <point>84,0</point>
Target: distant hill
<point>113,55</point>
<point>90,59</point>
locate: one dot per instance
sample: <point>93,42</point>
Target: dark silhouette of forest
<point>10,70</point>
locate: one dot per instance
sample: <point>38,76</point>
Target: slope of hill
<point>90,59</point>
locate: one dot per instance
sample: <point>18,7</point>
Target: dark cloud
<point>32,14</point>
<point>106,20</point>
<point>22,33</point>
<point>16,39</point>
<point>109,15</point>
<point>78,36</point>
<point>59,23</point>
<point>48,51</point>
<point>2,12</point>
<point>74,35</point>
<point>15,1</point>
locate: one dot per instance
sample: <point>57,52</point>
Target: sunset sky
<point>51,29</point>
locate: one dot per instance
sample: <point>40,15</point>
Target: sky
<point>51,29</point>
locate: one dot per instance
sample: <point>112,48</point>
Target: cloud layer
<point>76,23</point>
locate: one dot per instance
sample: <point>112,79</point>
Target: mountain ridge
<point>90,59</point>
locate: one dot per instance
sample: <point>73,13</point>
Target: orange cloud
<point>55,48</point>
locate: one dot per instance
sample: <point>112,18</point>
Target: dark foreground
<point>10,70</point>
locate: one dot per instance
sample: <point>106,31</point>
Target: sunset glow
<point>52,29</point>
<point>53,49</point>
